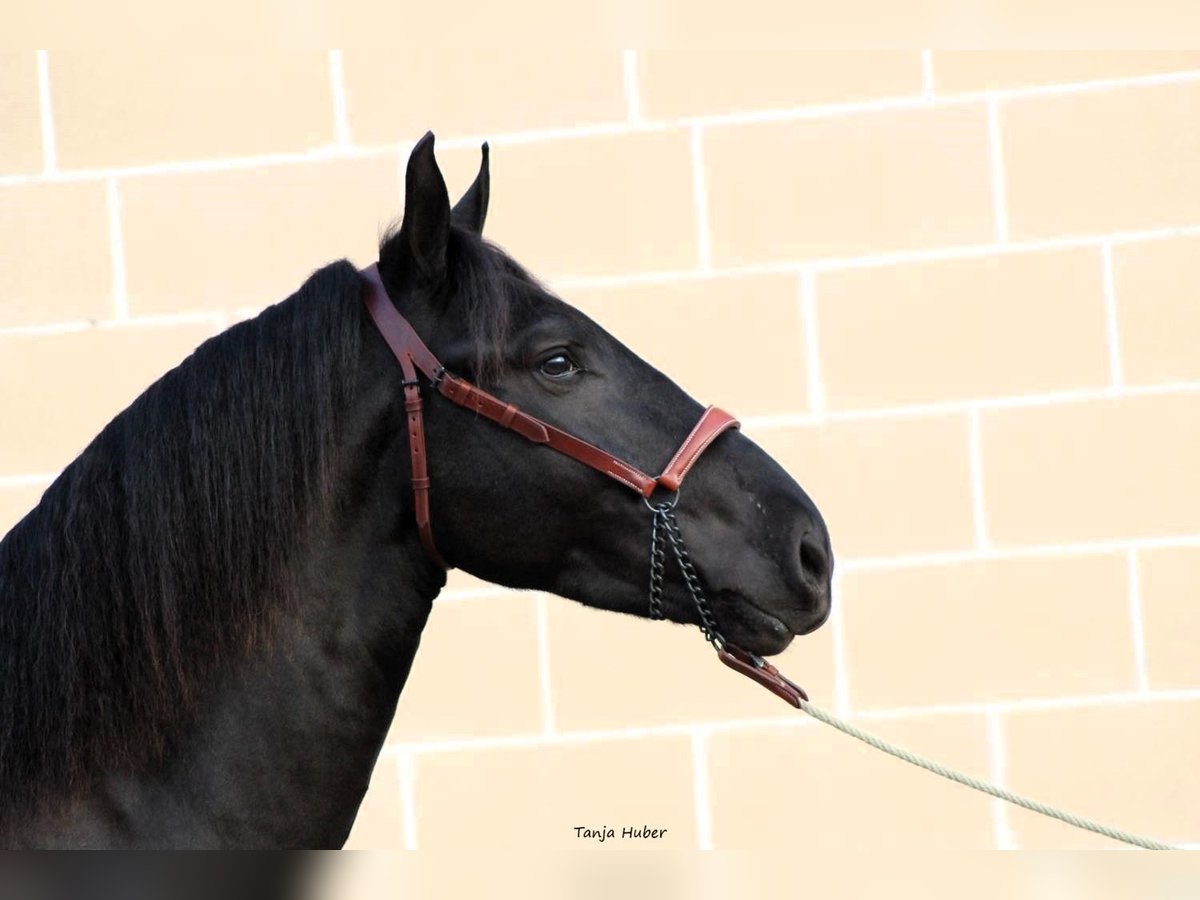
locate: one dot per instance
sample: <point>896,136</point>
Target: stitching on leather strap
<point>412,353</point>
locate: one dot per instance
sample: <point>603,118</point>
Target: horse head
<point>515,513</point>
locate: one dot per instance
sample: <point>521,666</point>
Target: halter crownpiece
<point>415,357</point>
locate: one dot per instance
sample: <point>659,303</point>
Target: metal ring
<point>661,507</point>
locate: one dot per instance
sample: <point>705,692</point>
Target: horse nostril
<point>814,559</point>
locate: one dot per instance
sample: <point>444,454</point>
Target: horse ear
<point>425,231</point>
<point>471,210</point>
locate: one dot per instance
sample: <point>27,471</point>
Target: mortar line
<point>116,244</point>
<point>787,720</point>
<point>999,177</point>
<point>633,100</point>
<point>945,253</point>
<point>700,201</point>
<point>34,480</point>
<point>835,110</point>
<point>808,317</point>
<point>1029,551</point>
<point>958,407</point>
<point>406,767</point>
<point>802,113</point>
<point>998,774</point>
<point>49,142</point>
<point>162,320</point>
<point>927,73</point>
<point>975,462</point>
<point>701,794</point>
<point>337,79</point>
<point>837,634</point>
<point>1137,620</point>
<point>567,282</point>
<point>72,326</point>
<point>183,317</point>
<point>536,739</point>
<point>212,165</point>
<point>479,593</point>
<point>1115,367</point>
<point>1029,704</point>
<point>541,612</point>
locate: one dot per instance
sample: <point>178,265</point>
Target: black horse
<point>206,623</point>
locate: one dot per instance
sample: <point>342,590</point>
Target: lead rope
<point>969,781</point>
<point>666,524</point>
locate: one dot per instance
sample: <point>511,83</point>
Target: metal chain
<point>657,560</point>
<point>665,521</point>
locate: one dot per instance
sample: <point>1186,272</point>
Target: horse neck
<point>281,753</point>
<point>301,723</point>
<point>280,750</point>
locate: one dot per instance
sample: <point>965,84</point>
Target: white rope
<point>938,769</point>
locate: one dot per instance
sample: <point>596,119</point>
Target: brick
<point>260,232</point>
<point>380,821</point>
<point>607,205</point>
<point>58,391</point>
<point>20,111</point>
<point>117,108</point>
<point>618,671</point>
<point>1112,160</point>
<point>1097,470</point>
<point>498,635</point>
<point>841,794</point>
<point>1132,765</point>
<point>706,82</point>
<point>479,92</point>
<point>1170,615</point>
<point>848,185</point>
<point>982,70</point>
<point>535,796</point>
<point>756,319</point>
<point>16,501</point>
<point>54,251</point>
<point>1156,284</point>
<point>983,612</point>
<point>934,331</point>
<point>884,486</point>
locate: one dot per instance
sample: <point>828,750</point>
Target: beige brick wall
<point>970,279</point>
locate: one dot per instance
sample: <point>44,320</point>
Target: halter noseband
<point>415,357</point>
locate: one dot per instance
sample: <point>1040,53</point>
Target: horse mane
<point>162,550</point>
<point>162,553</point>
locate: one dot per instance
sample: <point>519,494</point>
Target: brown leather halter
<point>415,357</point>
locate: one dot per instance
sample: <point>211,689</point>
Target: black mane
<point>163,550</point>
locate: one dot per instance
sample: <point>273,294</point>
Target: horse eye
<point>559,366</point>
